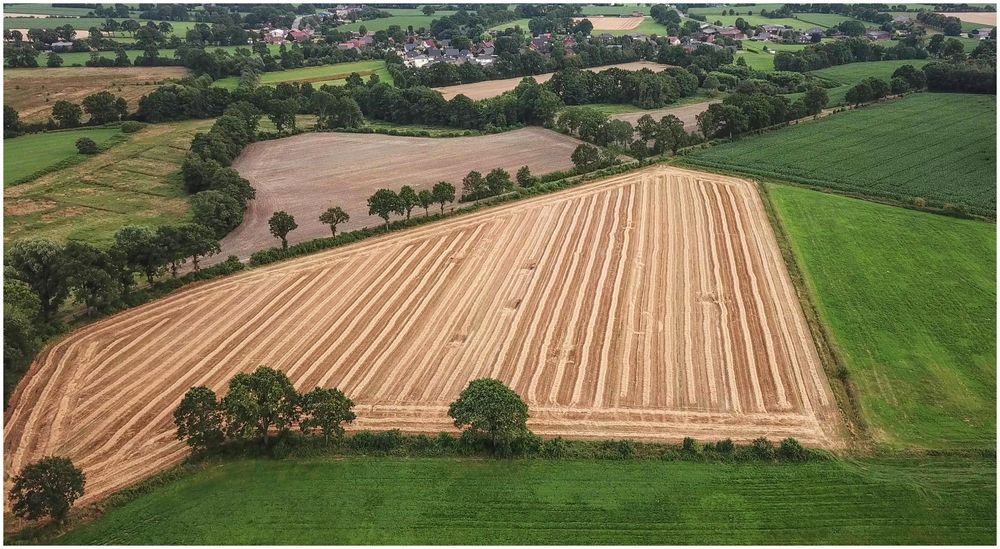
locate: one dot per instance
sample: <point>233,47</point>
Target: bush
<point>762,448</point>
<point>919,202</point>
<point>131,126</point>
<point>617,449</point>
<point>86,145</point>
<point>725,446</point>
<point>555,448</point>
<point>690,445</point>
<point>381,442</point>
<point>791,450</point>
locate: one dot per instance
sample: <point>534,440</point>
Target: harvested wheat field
<point>987,18</point>
<point>306,174</point>
<point>602,23</point>
<point>33,91</point>
<point>688,114</point>
<point>653,305</point>
<point>493,88</point>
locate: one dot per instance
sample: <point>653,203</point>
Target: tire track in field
<point>652,305</point>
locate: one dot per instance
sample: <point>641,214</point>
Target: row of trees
<point>828,54</point>
<point>755,105</point>
<point>101,108</point>
<point>386,202</point>
<point>642,88</point>
<point>103,279</point>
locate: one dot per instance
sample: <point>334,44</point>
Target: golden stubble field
<point>653,305</point>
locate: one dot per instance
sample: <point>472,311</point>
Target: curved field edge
<point>881,150</point>
<point>908,298</point>
<point>932,500</point>
<point>741,397</point>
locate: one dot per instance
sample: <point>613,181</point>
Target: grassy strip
<point>475,501</point>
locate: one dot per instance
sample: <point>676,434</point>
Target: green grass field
<point>910,301</point>
<point>523,23</point>
<point>742,9</point>
<point>318,75</point>
<point>417,20</point>
<point>81,23</point>
<point>444,501</point>
<point>29,154</point>
<point>136,182</point>
<point>938,146</point>
<point>617,9</point>
<point>759,60</point>
<point>850,74</point>
<point>45,9</point>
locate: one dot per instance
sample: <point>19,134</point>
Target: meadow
<point>445,501</point>
<point>136,182</point>
<point>82,23</point>
<point>850,74</point>
<point>81,57</point>
<point>417,20</point>
<point>30,154</point>
<point>938,146</point>
<point>617,9</point>
<point>909,299</point>
<point>759,60</point>
<point>322,74</point>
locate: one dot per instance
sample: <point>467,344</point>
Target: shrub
<point>920,202</point>
<point>381,442</point>
<point>762,448</point>
<point>131,126</point>
<point>555,448</point>
<point>617,449</point>
<point>791,450</point>
<point>86,145</point>
<point>725,446</point>
<point>690,445</point>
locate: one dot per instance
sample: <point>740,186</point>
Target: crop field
<point>941,147</point>
<point>493,88</point>
<point>434,501</point>
<point>652,306</point>
<point>340,173</point>
<point>29,154</point>
<point>979,18</point>
<point>33,92</point>
<point>910,299</point>
<point>686,113</point>
<point>318,75</point>
<point>602,23</point>
<point>137,181</point>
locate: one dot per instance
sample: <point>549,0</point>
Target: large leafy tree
<point>91,274</point>
<point>492,410</point>
<point>408,199</point>
<point>383,204</point>
<point>334,216</point>
<point>141,250</point>
<point>258,401</point>
<point>47,487</point>
<point>282,223</point>
<point>67,114</point>
<point>444,193</point>
<point>104,107</point>
<point>199,419</point>
<point>426,199</point>
<point>326,410</point>
<point>41,265</point>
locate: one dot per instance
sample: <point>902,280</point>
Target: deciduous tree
<point>443,192</point>
<point>47,487</point>
<point>383,204</point>
<point>326,410</point>
<point>67,114</point>
<point>425,198</point>
<point>282,223</point>
<point>490,409</point>
<point>408,199</point>
<point>334,216</point>
<point>41,265</point>
<point>199,419</point>
<point>258,401</point>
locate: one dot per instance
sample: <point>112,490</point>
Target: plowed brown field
<point>493,88</point>
<point>306,174</point>
<point>653,305</point>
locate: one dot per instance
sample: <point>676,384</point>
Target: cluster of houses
<point>420,52</point>
<point>282,36</point>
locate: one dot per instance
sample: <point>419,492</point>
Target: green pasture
<point>318,75</point>
<point>136,182</point>
<point>850,74</point>
<point>523,23</point>
<point>32,153</point>
<point>759,60</point>
<point>417,21</point>
<point>45,9</point>
<point>79,58</point>
<point>937,146</point>
<point>742,9</point>
<point>82,23</point>
<point>442,501</point>
<point>909,299</point>
<point>617,9</point>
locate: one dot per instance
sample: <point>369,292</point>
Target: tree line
<point>851,50</point>
<point>492,419</point>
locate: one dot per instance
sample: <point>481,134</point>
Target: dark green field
<point>910,300</point>
<point>453,501</point>
<point>938,146</point>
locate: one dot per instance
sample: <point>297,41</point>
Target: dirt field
<point>687,113</point>
<point>33,92</point>
<point>492,88</point>
<point>602,23</point>
<point>986,18</point>
<point>653,305</point>
<point>306,174</point>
